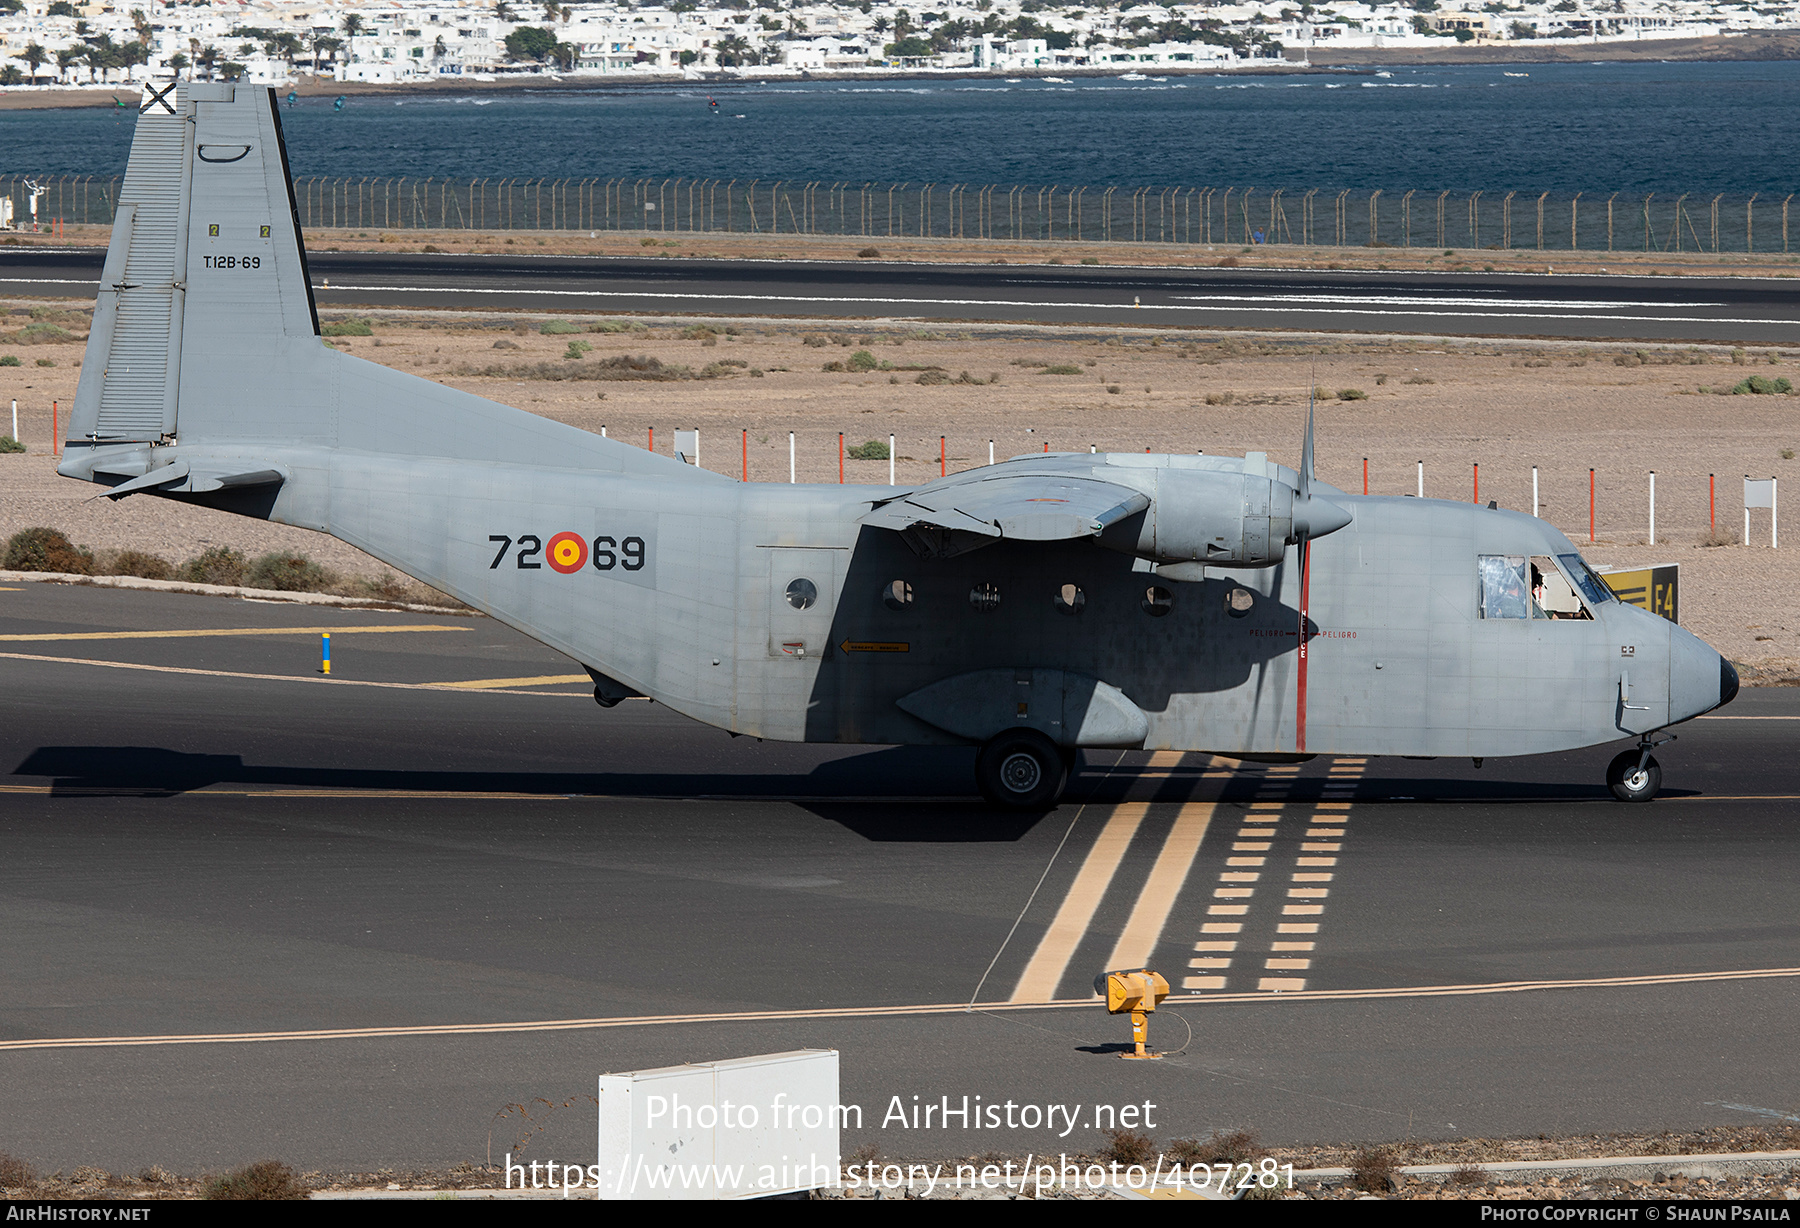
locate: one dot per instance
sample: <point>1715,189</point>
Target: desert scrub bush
<point>817,341</point>
<point>1468,1174</point>
<point>1373,1171</point>
<point>1420,379</point>
<point>576,350</point>
<point>1761,385</point>
<point>1220,398</point>
<point>46,362</point>
<point>45,549</point>
<point>138,563</point>
<point>1719,535</point>
<point>1352,394</point>
<point>10,360</point>
<point>618,367</point>
<point>612,326</point>
<point>1233,1147</point>
<point>40,332</point>
<point>862,360</point>
<point>718,370</point>
<point>9,444</point>
<point>699,332</point>
<point>1090,260</point>
<point>15,1174</point>
<point>872,449</point>
<point>265,1180</point>
<point>355,326</point>
<point>869,253</point>
<point>1112,389</point>
<point>1061,368</point>
<point>218,565</point>
<point>287,573</point>
<point>557,328</point>
<point>933,377</point>
<point>832,366</point>
<point>1127,1147</point>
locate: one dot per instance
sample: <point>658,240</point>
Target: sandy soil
<point>1564,407</point>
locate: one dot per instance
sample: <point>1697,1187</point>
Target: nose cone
<point>1699,678</point>
<point>1315,517</point>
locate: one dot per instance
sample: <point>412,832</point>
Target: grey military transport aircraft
<point>1030,608</point>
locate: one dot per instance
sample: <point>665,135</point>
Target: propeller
<point>1313,517</point>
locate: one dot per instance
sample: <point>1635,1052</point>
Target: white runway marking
<point>1197,308</point>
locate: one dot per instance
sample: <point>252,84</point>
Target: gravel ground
<point>1565,407</point>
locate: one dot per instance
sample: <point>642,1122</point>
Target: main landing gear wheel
<point>1021,769</point>
<point>1630,782</point>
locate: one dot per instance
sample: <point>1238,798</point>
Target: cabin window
<point>1589,584</point>
<point>1239,601</point>
<point>1553,592</point>
<point>897,594</point>
<point>1069,599</point>
<point>802,593</point>
<point>1158,601</point>
<point>1505,589</point>
<point>985,597</point>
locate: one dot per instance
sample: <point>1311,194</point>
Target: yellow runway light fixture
<point>1133,991</point>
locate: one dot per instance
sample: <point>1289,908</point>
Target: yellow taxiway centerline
<point>209,632</point>
<point>494,684</point>
<point>335,680</point>
<point>877,1012</point>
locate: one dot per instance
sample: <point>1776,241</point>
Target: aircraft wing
<point>1022,506</point>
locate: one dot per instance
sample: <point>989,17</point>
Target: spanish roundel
<point>567,553</point>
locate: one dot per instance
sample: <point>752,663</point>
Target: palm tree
<point>35,55</point>
<point>177,62</point>
<point>353,24</point>
<point>438,50</point>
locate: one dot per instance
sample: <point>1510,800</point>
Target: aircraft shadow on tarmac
<point>892,793</point>
<point>911,784</point>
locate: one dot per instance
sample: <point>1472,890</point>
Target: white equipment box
<point>746,1128</point>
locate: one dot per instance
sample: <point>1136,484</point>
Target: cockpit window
<point>1504,591</point>
<point>1591,585</point>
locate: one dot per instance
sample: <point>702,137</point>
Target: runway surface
<point>251,912</point>
<point>1756,310</point>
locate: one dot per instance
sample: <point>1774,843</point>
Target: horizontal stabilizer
<point>184,477</point>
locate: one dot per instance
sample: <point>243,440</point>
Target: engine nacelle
<point>1224,518</point>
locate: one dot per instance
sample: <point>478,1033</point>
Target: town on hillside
<point>48,44</point>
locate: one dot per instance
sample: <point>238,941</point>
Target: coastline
<point>1748,48</point>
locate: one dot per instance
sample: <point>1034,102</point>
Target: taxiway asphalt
<point>251,912</point>
<point>1759,310</point>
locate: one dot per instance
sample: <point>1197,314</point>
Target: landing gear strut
<point>1635,775</point>
<point>1022,769</point>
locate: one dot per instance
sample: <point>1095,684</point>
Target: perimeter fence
<point>1408,218</point>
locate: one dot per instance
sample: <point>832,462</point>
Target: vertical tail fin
<point>224,284</point>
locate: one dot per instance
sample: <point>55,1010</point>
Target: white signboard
<point>746,1128</point>
<point>1760,493</point>
<point>687,446</point>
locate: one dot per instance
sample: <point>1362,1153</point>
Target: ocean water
<point>1644,127</point>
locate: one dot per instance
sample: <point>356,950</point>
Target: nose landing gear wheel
<point>1630,782</point>
<point>1021,770</point>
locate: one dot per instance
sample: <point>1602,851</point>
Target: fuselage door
<point>803,588</point>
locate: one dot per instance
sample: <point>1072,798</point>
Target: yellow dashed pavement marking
<point>214,632</point>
